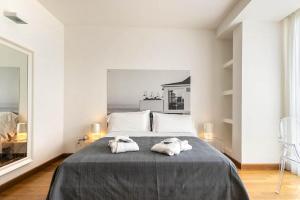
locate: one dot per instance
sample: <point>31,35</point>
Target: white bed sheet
<point>150,134</point>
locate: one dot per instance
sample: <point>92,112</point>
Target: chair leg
<point>282,168</point>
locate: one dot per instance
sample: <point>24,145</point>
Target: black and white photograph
<point>164,91</point>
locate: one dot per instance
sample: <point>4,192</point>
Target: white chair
<point>290,145</point>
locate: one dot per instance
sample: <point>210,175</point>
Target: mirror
<point>14,107</point>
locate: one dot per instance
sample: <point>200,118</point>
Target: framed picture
<point>138,90</point>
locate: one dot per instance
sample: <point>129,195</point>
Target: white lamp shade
<point>208,130</point>
<point>208,127</point>
<point>22,128</point>
<point>95,128</point>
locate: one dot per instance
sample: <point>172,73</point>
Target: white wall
<point>261,91</point>
<point>257,56</point>
<point>44,35</point>
<point>90,51</point>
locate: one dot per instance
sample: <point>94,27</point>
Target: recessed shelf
<point>228,121</point>
<point>228,92</point>
<point>228,65</point>
<point>228,74</point>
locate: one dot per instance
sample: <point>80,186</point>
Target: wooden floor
<point>260,185</point>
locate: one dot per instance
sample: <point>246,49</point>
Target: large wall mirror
<point>15,106</point>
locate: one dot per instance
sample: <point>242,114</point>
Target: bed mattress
<point>96,173</point>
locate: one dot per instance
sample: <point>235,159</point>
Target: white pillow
<point>172,123</point>
<point>129,121</point>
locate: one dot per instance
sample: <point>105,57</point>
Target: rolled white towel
<point>184,144</point>
<point>123,138</point>
<point>170,140</point>
<point>123,144</point>
<point>171,146</point>
<point>169,149</point>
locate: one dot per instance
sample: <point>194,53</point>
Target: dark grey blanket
<point>96,173</point>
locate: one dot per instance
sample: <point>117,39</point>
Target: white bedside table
<point>83,143</point>
<point>215,142</point>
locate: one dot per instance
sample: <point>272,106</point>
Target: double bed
<point>98,172</point>
<point>95,173</point>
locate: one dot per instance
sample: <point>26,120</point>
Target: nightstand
<point>215,142</point>
<point>16,146</point>
<point>81,143</point>
<point>88,139</point>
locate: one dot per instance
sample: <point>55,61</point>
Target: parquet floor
<point>260,185</point>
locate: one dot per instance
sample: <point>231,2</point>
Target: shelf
<point>228,121</point>
<point>228,65</point>
<point>228,92</point>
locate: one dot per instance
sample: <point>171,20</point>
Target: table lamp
<point>95,131</point>
<point>21,131</point>
<point>208,130</point>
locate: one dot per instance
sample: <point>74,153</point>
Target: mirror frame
<point>29,158</point>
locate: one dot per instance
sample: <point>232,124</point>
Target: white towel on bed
<point>171,146</point>
<point>123,144</point>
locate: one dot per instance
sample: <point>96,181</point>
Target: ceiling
<point>206,14</point>
<point>276,10</point>
<point>257,10</point>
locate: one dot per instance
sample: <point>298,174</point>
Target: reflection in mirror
<point>13,105</point>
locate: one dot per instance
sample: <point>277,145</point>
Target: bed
<point>95,173</point>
